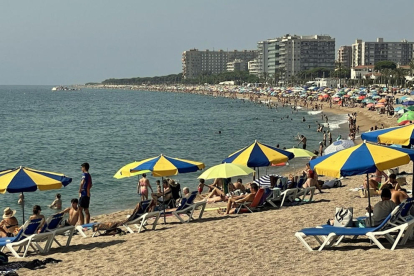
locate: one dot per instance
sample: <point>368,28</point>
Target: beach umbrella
<point>364,158</point>
<point>23,179</point>
<point>162,165</point>
<point>125,171</point>
<point>408,103</point>
<point>407,116</point>
<point>400,135</point>
<point>409,108</point>
<point>301,152</point>
<point>338,146</point>
<point>258,155</point>
<point>226,170</point>
<point>264,181</point>
<point>382,101</point>
<point>403,123</point>
<point>370,105</point>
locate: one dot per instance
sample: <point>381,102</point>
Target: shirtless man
<point>392,179</point>
<point>239,185</point>
<point>375,179</point>
<point>396,196</point>
<point>73,212</point>
<point>234,201</point>
<point>303,141</point>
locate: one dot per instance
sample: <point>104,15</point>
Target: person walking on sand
<point>303,141</point>
<point>143,185</point>
<point>85,194</point>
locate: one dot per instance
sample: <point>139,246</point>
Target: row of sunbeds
<point>41,241</point>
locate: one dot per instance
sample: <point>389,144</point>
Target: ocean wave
<point>335,124</point>
<point>314,112</point>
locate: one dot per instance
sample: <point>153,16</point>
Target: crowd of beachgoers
<point>228,196</point>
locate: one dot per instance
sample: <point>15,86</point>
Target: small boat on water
<point>64,88</point>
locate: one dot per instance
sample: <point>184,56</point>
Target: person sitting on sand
<point>73,212</point>
<point>392,179</point>
<point>57,203</point>
<point>396,196</point>
<point>9,223</point>
<point>381,210</point>
<point>234,201</point>
<point>37,215</point>
<point>376,179</point>
<point>312,178</point>
<point>216,189</point>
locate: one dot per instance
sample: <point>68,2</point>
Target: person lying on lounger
<point>396,196</point>
<point>392,180</point>
<point>235,201</point>
<point>112,225</point>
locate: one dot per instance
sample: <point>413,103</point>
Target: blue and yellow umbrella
<point>166,166</point>
<point>361,159</point>
<point>258,155</point>
<point>24,179</point>
<point>400,135</point>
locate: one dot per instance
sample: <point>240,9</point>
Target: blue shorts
<point>84,202</point>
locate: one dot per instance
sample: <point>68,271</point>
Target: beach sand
<point>261,243</point>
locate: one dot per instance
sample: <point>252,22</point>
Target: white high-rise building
<point>288,55</point>
<point>369,53</point>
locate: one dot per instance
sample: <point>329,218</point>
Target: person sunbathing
<point>396,196</point>
<point>392,179</point>
<point>37,215</point>
<point>9,223</point>
<point>239,185</point>
<point>112,225</point>
<point>235,201</point>
<point>164,197</point>
<point>216,191</point>
<point>376,179</point>
<point>73,212</point>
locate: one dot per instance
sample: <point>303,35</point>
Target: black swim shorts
<point>84,202</point>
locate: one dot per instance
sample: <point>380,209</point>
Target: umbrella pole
<point>258,175</point>
<point>23,208</point>
<point>369,201</point>
<point>163,199</point>
<point>412,181</point>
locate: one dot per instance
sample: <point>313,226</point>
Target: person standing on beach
<point>303,141</point>
<point>324,138</point>
<point>143,185</point>
<point>330,137</point>
<point>85,194</point>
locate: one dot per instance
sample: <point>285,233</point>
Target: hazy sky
<point>68,42</point>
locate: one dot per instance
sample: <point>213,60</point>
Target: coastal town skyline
<point>71,43</point>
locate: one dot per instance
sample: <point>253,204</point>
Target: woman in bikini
<point>143,185</point>
<point>9,223</point>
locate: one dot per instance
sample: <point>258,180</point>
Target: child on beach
<point>201,186</point>
<point>57,203</point>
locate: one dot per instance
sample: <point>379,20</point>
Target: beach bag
<point>343,217</point>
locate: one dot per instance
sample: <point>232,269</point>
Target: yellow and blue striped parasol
<point>361,159</point>
<point>166,166</point>
<point>24,179</point>
<point>400,135</point>
<point>258,155</point>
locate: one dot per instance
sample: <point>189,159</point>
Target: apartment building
<point>195,62</point>
<point>287,55</point>
<point>237,65</point>
<point>369,53</point>
<point>345,56</point>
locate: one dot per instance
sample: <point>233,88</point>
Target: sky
<point>73,42</point>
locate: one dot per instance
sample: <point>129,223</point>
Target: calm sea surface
<point>58,131</point>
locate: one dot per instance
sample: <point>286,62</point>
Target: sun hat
<point>8,213</point>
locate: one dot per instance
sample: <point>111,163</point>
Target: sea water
<point>59,130</point>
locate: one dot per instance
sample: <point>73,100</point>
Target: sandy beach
<point>261,243</point>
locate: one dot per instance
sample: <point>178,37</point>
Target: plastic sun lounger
<point>81,229</point>
<point>53,225</point>
<point>142,221</point>
<point>331,233</point>
<point>250,206</point>
<point>26,238</point>
<point>289,194</point>
<point>188,210</point>
<point>304,192</point>
<point>274,197</point>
